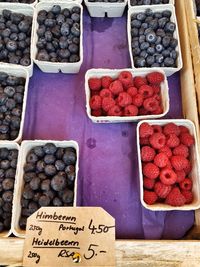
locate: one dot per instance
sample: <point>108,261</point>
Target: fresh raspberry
<point>95,102</point>
<point>143,111</point>
<point>124,99</point>
<point>138,100</point>
<point>175,198</point>
<point>187,139</point>
<point>157,98</point>
<point>179,162</point>
<point>158,111</point>
<point>188,168</point>
<point>157,128</point>
<point>188,196</point>
<point>92,93</point>
<point>107,103</point>
<point>183,129</point>
<point>146,91</point>
<point>180,176</point>
<point>157,140</point>
<point>106,81</point>
<point>147,153</point>
<point>172,140</point>
<point>105,93</point>
<point>116,87</point>
<point>151,104</point>
<point>145,130</point>
<point>151,171</point>
<point>162,190</point>
<point>94,84</point>
<point>186,184</point>
<point>139,81</point>
<point>148,183</point>
<point>166,150</point>
<point>115,111</point>
<point>156,89</point>
<point>132,91</point>
<point>150,197</point>
<point>168,176</point>
<point>144,141</point>
<point>171,128</point>
<point>181,150</point>
<point>169,165</point>
<point>155,78</point>
<point>161,160</point>
<point>126,79</point>
<point>97,113</point>
<point>131,110</point>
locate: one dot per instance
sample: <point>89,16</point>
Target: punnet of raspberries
<point>126,95</point>
<point>166,166</point>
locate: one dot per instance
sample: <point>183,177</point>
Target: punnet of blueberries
<point>15,38</point>
<point>18,1</point>
<point>8,163</point>
<point>59,34</point>
<point>107,1</point>
<point>148,2</point>
<point>153,42</point>
<point>11,104</point>
<point>49,178</point>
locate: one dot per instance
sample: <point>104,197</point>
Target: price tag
<point>83,236</point>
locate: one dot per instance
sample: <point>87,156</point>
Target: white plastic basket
<point>170,2</point>
<point>26,10</point>
<point>55,67</point>
<point>195,173</point>
<point>9,145</point>
<point>114,74</point>
<point>100,9</point>
<point>32,4</point>
<point>18,71</point>
<point>136,9</point>
<point>26,146</point>
<point>78,1</point>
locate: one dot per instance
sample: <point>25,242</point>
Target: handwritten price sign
<point>70,237</point>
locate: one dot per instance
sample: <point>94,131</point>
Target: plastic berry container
<point>98,73</point>
<point>101,9</point>
<point>55,67</point>
<point>129,3</point>
<point>194,174</point>
<point>26,146</point>
<point>136,9</point>
<point>78,1</point>
<point>32,4</point>
<point>26,10</point>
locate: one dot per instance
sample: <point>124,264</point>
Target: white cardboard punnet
<point>129,3</point>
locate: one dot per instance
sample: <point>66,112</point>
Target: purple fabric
<point>108,175</point>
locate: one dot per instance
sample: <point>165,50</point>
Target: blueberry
<point>48,36</point>
<point>38,150</point>
<point>71,176</point>
<point>67,196</point>
<point>160,32</point>
<point>65,29</point>
<point>66,12</point>
<point>15,123</point>
<point>170,27</point>
<point>140,62</point>
<point>28,193</point>
<point>173,43</point>
<point>151,37</point>
<point>134,32</point>
<point>70,169</point>
<point>144,46</point>
<point>144,54</point>
<point>60,152</point>
<point>142,38</point>
<point>49,159</point>
<point>69,157</point>
<point>75,17</point>
<point>7,196</point>
<point>56,31</point>
<point>75,30</point>
<point>24,202</point>
<point>76,9</point>
<point>14,37</point>
<point>56,9</point>
<point>159,48</point>
<point>174,54</point>
<point>162,22</point>
<point>166,41</point>
<point>13,154</point>
<point>136,23</point>
<point>50,170</point>
<point>24,26</point>
<point>6,33</point>
<point>151,50</point>
<point>10,103</point>
<point>3,76</point>
<point>18,97</point>
<point>169,62</point>
<point>35,183</point>
<point>41,30</point>
<point>58,182</point>
<point>37,196</point>
<point>159,58</point>
<point>57,202</point>
<point>13,163</point>
<point>158,15</point>
<point>141,16</point>
<point>22,223</point>
<point>50,194</point>
<point>40,166</point>
<point>16,17</point>
<point>45,185</point>
<point>8,184</point>
<point>16,112</point>
<point>60,19</point>
<point>6,13</point>
<point>21,36</point>
<point>5,164</point>
<point>44,201</point>
<point>73,48</point>
<point>166,53</point>
<point>60,165</point>
<point>33,207</point>
<point>167,13</point>
<point>10,173</point>
<point>43,56</point>
<point>49,23</point>
<point>63,42</point>
<point>29,167</point>
<point>50,48</point>
<point>150,60</point>
<point>4,129</point>
<point>49,149</point>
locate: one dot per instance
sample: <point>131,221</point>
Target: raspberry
<point>151,104</point>
<point>144,141</point>
<point>95,102</point>
<point>186,184</point>
<point>131,110</point>
<point>107,103</point>
<point>166,150</point>
<point>158,111</point>
<point>181,150</point>
<point>92,93</point>
<point>146,91</point>
<point>139,81</point>
<point>143,111</point>
<point>188,196</point>
<point>180,176</point>
<point>147,153</point>
<point>116,87</point>
<point>162,190</point>
<point>175,198</point>
<point>179,162</point>
<point>126,79</point>
<point>151,171</point>
<point>150,197</point>
<point>132,91</point>
<point>106,81</point>
<point>168,176</point>
<point>124,99</point>
<point>94,83</point>
<point>157,140</point>
<point>171,128</point>
<point>169,165</point>
<point>157,98</point>
<point>161,160</point>
<point>145,130</point>
<point>172,140</point>
<point>155,77</point>
<point>115,111</point>
<point>157,129</point>
<point>138,100</point>
<point>148,183</point>
<point>183,129</point>
<point>96,113</point>
<point>188,168</point>
<point>187,139</point>
<point>156,89</point>
<point>105,93</point>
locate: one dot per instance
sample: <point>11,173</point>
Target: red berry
<point>183,129</point>
<point>156,88</point>
<point>106,81</point>
<point>157,140</point>
<point>151,104</point>
<point>131,110</point>
<point>171,128</point>
<point>155,78</point>
<point>181,150</point>
<point>186,184</point>
<point>94,83</point>
<point>132,91</point>
<point>116,87</point>
<point>161,160</point>
<point>148,183</point>
<point>180,176</point>
<point>92,93</point>
<point>157,129</point>
<point>105,93</point>
<point>143,111</point>
<point>126,79</point>
<point>124,99</point>
<point>179,162</point>
<point>158,111</point>
<point>162,190</point>
<point>188,168</point>
<point>150,197</point>
<point>145,130</point>
<point>166,150</point>
<point>151,171</point>
<point>147,153</point>
<point>187,139</point>
<point>188,196</point>
<point>168,176</point>
<point>96,113</point>
<point>107,103</point>
<point>172,140</point>
<point>115,111</point>
<point>139,81</point>
<point>138,100</point>
<point>146,91</point>
<point>144,141</point>
<point>95,102</point>
<point>175,198</point>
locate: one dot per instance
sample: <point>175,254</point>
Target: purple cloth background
<point>108,175</point>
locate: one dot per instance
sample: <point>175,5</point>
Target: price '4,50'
<point>101,228</point>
